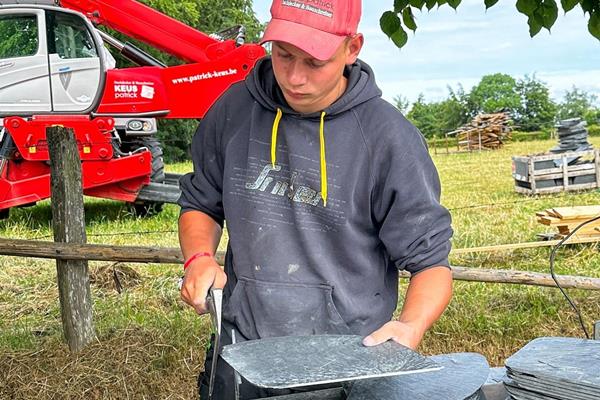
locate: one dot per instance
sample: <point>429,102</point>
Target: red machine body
<point>184,91</point>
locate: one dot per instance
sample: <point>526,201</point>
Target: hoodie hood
<point>264,88</point>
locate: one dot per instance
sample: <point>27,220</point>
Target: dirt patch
<point>115,276</point>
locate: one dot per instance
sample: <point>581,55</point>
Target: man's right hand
<point>200,276</point>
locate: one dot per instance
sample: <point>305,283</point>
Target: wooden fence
<point>72,253</point>
<point>139,254</point>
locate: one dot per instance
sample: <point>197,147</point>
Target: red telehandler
<point>55,70</point>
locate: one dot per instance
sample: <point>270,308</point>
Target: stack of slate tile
<point>572,136</point>
<point>555,369</point>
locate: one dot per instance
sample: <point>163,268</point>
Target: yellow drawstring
<point>322,151</point>
<point>323,163</point>
<point>274,137</point>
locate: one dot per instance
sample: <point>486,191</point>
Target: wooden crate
<point>539,174</point>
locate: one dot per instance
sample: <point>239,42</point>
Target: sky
<point>460,47</point>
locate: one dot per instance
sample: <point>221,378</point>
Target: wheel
<point>150,208</point>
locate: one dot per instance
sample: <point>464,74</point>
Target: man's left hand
<point>400,332</point>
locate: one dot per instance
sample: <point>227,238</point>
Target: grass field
<point>150,346</point>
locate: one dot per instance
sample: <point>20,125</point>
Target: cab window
<point>18,36</point>
<point>69,37</point>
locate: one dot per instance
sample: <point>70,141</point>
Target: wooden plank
<point>589,168</point>
<point>552,221</point>
<point>68,222</point>
<point>531,174</point>
<point>565,172</point>
<point>558,189</point>
<point>577,212</point>
<point>568,154</point>
<point>560,175</point>
<point>516,246</point>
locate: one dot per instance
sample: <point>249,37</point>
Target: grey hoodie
<point>296,265</point>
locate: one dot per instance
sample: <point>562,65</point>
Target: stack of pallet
<point>485,131</point>
<point>566,219</point>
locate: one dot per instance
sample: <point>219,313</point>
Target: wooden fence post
<point>68,222</point>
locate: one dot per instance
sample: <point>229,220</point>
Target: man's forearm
<point>428,295</point>
<point>198,232</point>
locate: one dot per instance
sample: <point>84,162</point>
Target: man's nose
<point>297,74</point>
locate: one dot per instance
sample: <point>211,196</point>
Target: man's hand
<point>400,332</point>
<point>201,275</point>
<point>428,294</point>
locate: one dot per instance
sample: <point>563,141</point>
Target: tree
<point>576,104</point>
<point>537,110</point>
<point>19,35</point>
<point>402,103</point>
<point>438,118</point>
<point>495,93</point>
<point>423,115</point>
<point>540,14</point>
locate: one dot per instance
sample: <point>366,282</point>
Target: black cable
<point>552,257</point>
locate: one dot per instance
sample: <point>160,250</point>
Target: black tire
<point>4,214</point>
<point>149,208</point>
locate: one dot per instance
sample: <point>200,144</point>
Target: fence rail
<point>170,255</point>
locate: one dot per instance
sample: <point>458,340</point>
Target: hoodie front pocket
<point>265,309</point>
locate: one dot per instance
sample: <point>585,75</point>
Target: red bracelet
<point>195,256</point>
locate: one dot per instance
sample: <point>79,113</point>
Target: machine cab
<point>50,62</point>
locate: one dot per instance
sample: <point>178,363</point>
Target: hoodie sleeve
<point>413,226</point>
<point>201,190</point>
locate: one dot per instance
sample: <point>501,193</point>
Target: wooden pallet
<point>538,174</point>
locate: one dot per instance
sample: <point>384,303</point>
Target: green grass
<point>150,345</point>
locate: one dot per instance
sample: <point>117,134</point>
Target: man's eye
<point>313,64</point>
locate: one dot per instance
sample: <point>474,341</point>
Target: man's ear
<point>354,45</point>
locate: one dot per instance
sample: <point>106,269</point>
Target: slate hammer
<point>214,302</point>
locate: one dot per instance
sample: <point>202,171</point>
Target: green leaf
<point>587,5</point>
<point>547,13</point>
<point>527,7</point>
<point>534,26</point>
<point>594,24</point>
<point>490,3</point>
<point>568,5</point>
<point>441,2</point>
<point>417,3</point>
<point>389,22</point>
<point>400,37</point>
<point>409,19</point>
<point>400,5</point>
<point>454,3</point>
<point>430,4</point>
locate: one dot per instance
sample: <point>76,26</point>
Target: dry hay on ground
<point>132,364</point>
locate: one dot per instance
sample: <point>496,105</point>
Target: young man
<point>327,191</point>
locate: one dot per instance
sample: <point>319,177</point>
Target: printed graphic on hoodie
<point>278,190</point>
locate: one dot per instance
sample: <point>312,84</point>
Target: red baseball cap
<point>317,27</point>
